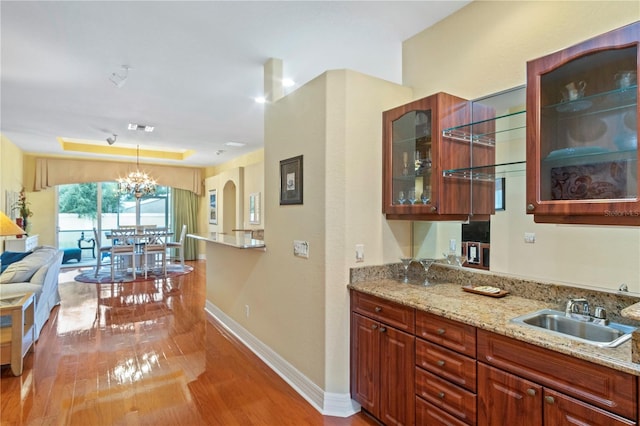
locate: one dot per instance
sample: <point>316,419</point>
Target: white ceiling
<point>196,66</point>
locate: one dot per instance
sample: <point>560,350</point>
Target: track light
<point>120,79</point>
<point>112,140</point>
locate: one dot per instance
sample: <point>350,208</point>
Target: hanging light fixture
<point>137,183</point>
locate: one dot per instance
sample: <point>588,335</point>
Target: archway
<point>229,207</point>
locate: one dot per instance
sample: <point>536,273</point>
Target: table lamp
<point>8,227</point>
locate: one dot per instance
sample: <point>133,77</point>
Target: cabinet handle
<point>374,326</point>
<point>530,207</point>
<point>531,392</point>
<point>383,329</point>
<point>441,395</point>
<point>440,363</point>
<point>433,209</point>
<point>549,399</point>
<point>440,331</point>
<point>378,309</point>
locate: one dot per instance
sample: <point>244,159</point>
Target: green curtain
<point>185,211</point>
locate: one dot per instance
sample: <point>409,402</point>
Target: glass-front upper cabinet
<point>582,132</point>
<point>414,157</point>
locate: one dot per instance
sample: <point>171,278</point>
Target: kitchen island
<point>231,259</point>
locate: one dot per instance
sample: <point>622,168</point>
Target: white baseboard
<point>329,404</point>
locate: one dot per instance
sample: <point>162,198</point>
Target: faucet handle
<point>600,313</point>
<point>600,316</point>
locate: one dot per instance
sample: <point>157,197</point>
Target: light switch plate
<point>359,253</point>
<point>301,248</point>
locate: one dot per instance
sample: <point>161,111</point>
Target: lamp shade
<point>7,227</point>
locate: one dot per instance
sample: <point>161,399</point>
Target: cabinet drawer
<point>603,387</point>
<point>560,409</point>
<point>448,333</point>
<point>455,367</point>
<point>453,399</point>
<point>428,414</point>
<point>391,313</point>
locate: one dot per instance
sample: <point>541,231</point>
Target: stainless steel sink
<point>556,322</point>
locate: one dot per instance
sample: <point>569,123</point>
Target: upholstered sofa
<point>38,273</point>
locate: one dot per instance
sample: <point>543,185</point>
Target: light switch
<point>301,248</point>
<point>529,237</point>
<point>359,252</point>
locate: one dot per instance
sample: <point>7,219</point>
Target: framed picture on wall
<point>11,199</point>
<point>291,180</point>
<point>213,207</point>
<point>254,208</point>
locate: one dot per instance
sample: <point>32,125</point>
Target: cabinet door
<point>414,157</point>
<point>365,362</point>
<point>562,410</point>
<point>582,139</point>
<point>506,399</point>
<point>397,377</point>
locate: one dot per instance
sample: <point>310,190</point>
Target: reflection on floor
<point>145,354</point>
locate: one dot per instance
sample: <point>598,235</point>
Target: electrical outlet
<point>529,237</point>
<point>359,253</point>
<point>301,248</point>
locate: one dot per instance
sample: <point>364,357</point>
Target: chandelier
<point>137,183</point>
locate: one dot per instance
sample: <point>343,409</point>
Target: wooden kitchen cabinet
<point>383,358</point>
<point>582,138</point>
<point>505,398</point>
<point>523,384</point>
<point>415,153</point>
<point>409,365</point>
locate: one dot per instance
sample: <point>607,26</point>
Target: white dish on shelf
<point>574,106</point>
<point>575,151</point>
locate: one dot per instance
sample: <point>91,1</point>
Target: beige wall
<point>300,307</point>
<point>353,202</point>
<point>13,178</point>
<point>10,170</point>
<point>247,173</point>
<point>253,183</point>
<point>487,47</point>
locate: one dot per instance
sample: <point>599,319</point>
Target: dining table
<point>140,238</point>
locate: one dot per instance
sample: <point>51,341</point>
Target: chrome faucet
<point>578,308</point>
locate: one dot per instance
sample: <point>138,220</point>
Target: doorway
<point>78,207</point>
<point>229,207</point>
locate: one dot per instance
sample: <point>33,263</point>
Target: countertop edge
<point>256,245</point>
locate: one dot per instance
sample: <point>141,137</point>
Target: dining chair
<point>179,245</point>
<point>102,250</point>
<point>123,245</point>
<point>154,249</point>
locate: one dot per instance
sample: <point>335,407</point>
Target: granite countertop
<point>238,239</point>
<point>494,314</point>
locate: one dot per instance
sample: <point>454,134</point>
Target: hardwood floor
<point>144,354</point>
